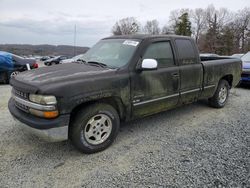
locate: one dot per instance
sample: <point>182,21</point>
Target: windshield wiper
<point>97,63</point>
<point>82,61</point>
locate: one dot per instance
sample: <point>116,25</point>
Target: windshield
<point>115,53</point>
<point>246,57</point>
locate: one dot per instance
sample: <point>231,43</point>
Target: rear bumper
<point>245,76</point>
<point>51,130</point>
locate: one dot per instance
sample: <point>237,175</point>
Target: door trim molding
<point>191,91</point>
<point>154,100</point>
<point>210,86</point>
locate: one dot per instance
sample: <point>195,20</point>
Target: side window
<point>186,51</point>
<point>161,52</point>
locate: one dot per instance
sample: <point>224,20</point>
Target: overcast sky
<point>52,22</point>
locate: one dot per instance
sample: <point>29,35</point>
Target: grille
<point>22,107</point>
<point>20,94</point>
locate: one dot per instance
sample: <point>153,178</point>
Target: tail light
<point>35,66</point>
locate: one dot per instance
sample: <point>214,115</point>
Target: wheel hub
<point>98,129</point>
<point>223,94</point>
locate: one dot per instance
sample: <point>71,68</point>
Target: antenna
<point>75,41</point>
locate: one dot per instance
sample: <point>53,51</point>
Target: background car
<point>55,60</point>
<point>245,76</point>
<point>237,55</point>
<point>209,55</point>
<point>73,59</point>
<point>11,65</point>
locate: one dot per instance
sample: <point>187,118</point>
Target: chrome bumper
<point>50,135</point>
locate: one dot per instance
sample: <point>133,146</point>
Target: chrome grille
<point>20,94</point>
<point>22,107</point>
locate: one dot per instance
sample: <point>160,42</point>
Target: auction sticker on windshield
<point>131,42</point>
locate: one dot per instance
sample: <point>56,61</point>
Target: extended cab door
<point>156,90</point>
<point>191,71</point>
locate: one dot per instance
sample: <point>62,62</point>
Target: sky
<point>53,21</point>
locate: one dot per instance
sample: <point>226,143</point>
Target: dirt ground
<point>191,146</point>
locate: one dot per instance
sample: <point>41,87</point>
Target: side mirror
<point>149,64</point>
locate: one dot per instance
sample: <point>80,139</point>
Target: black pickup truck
<point>121,78</point>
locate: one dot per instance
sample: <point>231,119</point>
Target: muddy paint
<point>137,92</point>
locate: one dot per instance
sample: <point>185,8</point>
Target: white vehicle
<point>73,59</point>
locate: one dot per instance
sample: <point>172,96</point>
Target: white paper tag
<point>130,42</point>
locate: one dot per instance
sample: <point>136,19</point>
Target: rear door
<point>156,90</point>
<point>191,71</point>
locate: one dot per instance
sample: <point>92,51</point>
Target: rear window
<point>186,51</point>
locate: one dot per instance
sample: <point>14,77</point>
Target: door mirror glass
<point>149,64</point>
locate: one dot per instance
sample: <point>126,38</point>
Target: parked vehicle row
<point>56,60</point>
<point>62,59</point>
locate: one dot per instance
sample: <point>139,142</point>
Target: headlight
<point>42,99</point>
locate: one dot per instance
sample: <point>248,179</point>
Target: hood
<point>246,65</point>
<point>62,75</point>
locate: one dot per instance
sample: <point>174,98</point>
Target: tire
<point>220,96</point>
<point>6,78</point>
<point>94,128</point>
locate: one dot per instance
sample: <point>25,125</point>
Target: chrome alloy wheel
<point>98,129</point>
<point>223,94</point>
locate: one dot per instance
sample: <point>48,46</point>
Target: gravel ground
<point>191,146</point>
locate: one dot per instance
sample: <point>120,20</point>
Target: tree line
<point>217,31</point>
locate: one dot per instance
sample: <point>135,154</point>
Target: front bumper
<point>51,130</point>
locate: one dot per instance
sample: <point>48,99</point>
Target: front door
<point>156,90</point>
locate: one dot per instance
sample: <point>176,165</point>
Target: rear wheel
<point>221,95</point>
<point>94,128</point>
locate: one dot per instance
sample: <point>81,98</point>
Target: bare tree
<point>174,18</point>
<point>152,27</point>
<point>216,21</point>
<point>198,19</point>
<point>126,26</point>
<point>166,30</point>
<point>242,23</point>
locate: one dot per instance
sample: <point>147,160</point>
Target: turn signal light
<point>44,114</point>
<point>50,114</point>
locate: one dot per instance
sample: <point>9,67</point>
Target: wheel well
<point>115,102</point>
<point>229,79</point>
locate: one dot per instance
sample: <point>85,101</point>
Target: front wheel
<point>5,78</point>
<point>221,95</point>
<point>94,128</point>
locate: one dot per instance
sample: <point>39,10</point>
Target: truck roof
<point>145,36</point>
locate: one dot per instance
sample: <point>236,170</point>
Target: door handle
<point>175,74</point>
